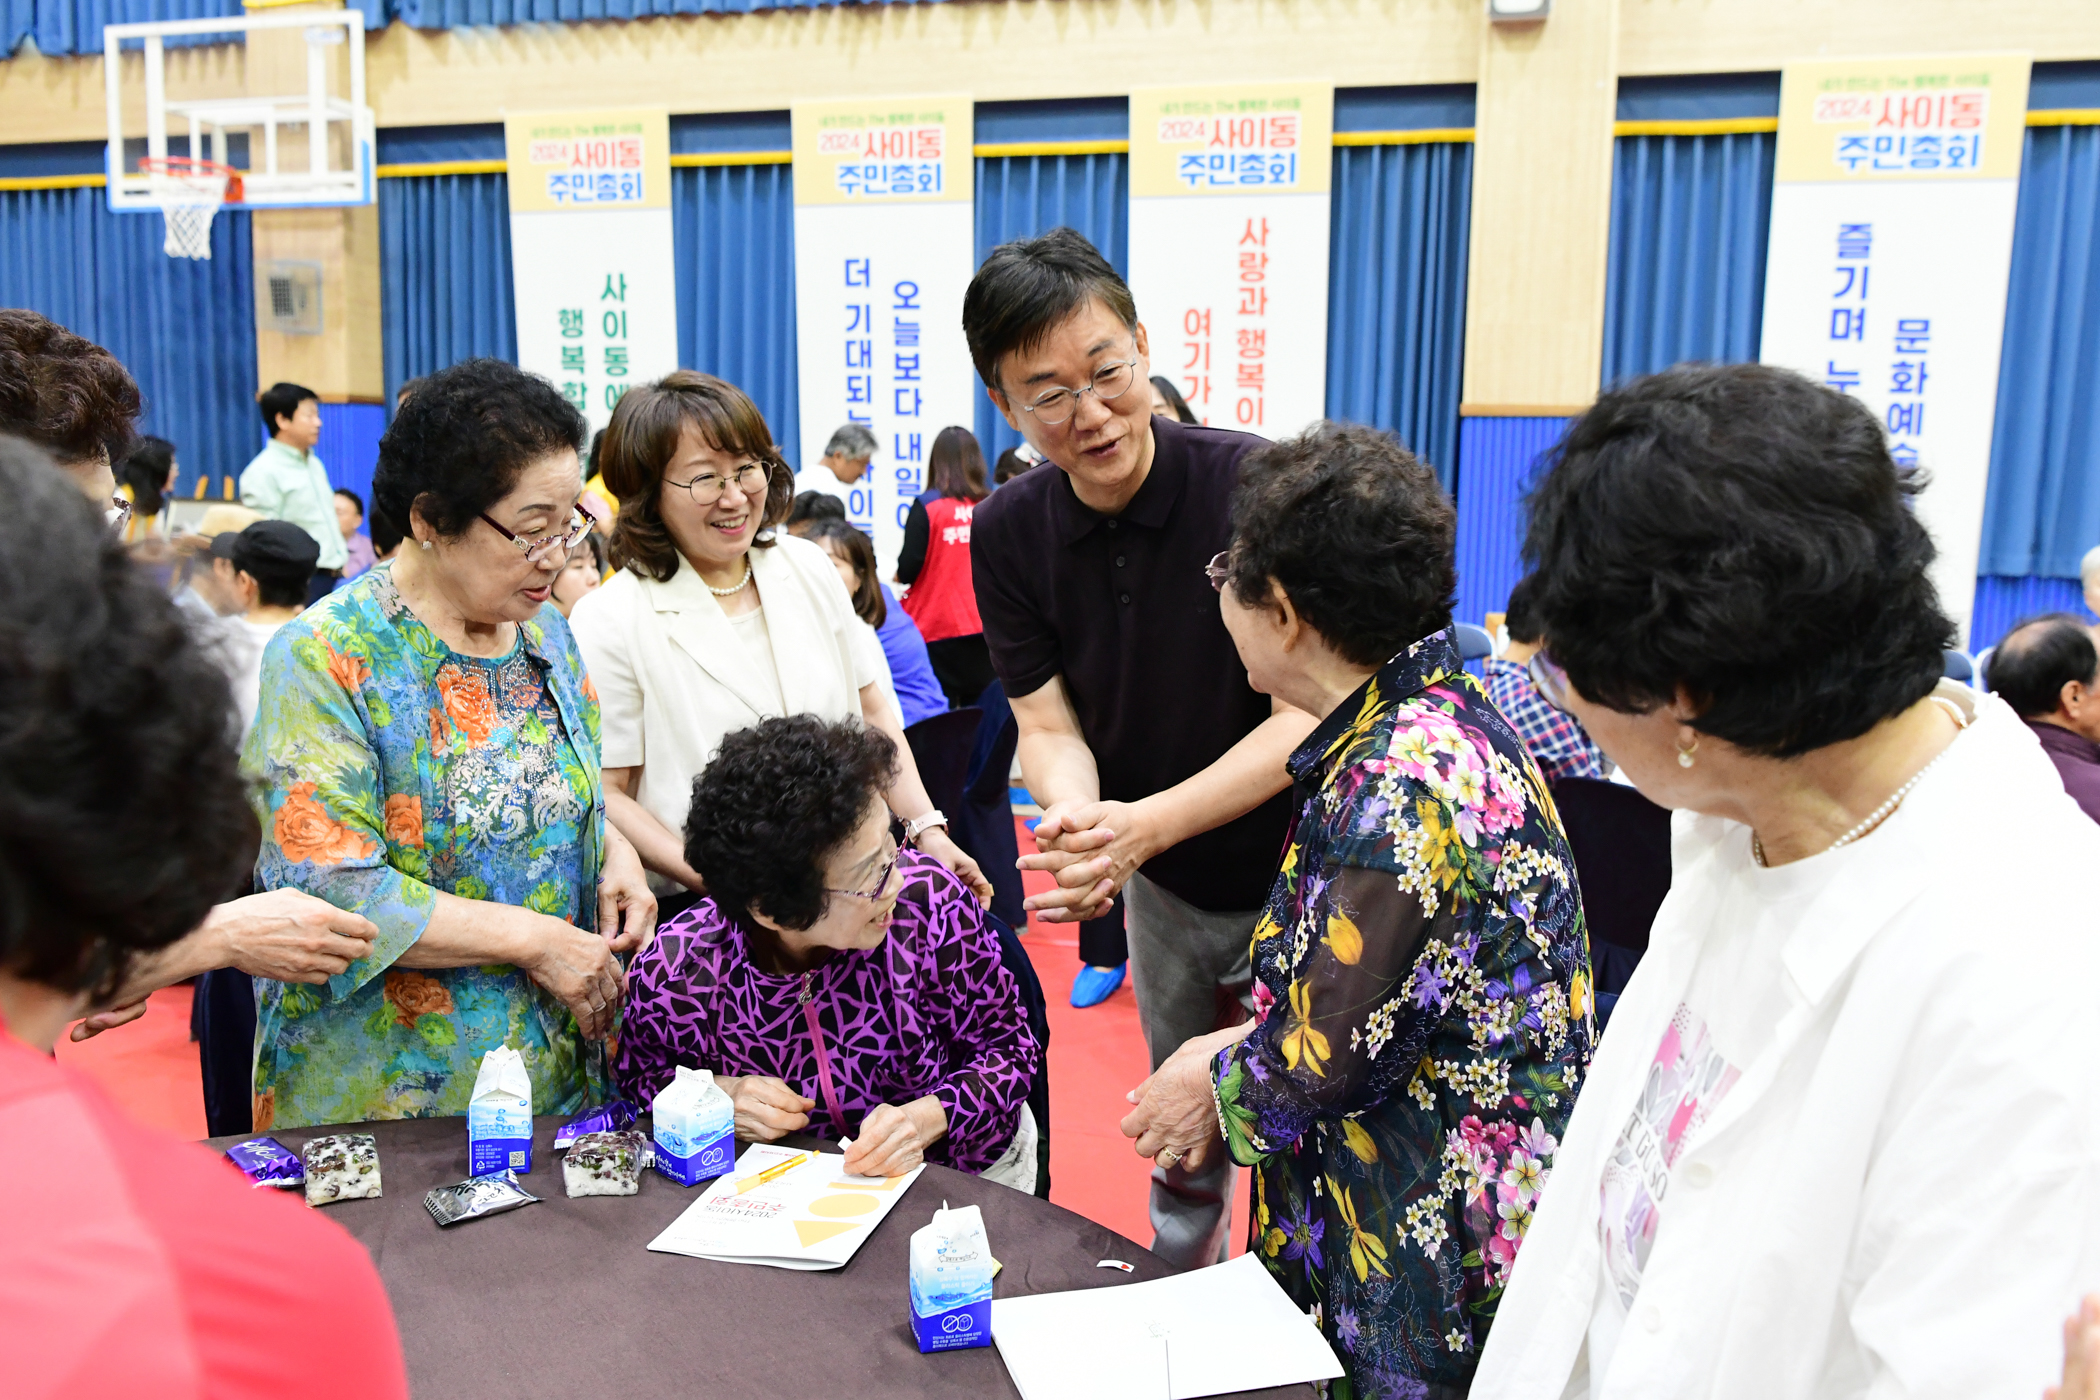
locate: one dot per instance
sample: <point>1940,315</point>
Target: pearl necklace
<point>1873,818</point>
<point>741,584</point>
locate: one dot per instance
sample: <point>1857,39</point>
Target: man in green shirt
<point>286,481</point>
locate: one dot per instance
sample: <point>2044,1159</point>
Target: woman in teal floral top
<point>1422,972</point>
<point>428,748</point>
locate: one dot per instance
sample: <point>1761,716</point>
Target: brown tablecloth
<point>564,1298</point>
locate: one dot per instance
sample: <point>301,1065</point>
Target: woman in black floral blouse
<point>1422,971</point>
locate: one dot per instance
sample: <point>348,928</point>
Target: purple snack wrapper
<point>605,1118</point>
<point>267,1162</point>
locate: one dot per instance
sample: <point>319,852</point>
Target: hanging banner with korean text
<point>884,249</point>
<point>1891,245</point>
<point>1228,246</point>
<point>592,273</point>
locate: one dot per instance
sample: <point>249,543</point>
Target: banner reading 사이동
<point>592,272</point>
<point>1228,246</point>
<point>884,250</point>
<point>1891,245</point>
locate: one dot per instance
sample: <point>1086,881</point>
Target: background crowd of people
<point>600,750</point>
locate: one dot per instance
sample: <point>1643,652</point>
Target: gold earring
<point>1685,752</point>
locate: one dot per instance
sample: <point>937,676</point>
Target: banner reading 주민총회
<point>1228,246</point>
<point>1891,245</point>
<point>884,250</point>
<point>592,272</point>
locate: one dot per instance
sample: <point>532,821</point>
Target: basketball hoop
<point>189,193</point>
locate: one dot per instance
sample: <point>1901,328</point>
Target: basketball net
<point>190,194</point>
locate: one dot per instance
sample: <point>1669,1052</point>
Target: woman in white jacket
<point>1840,1139</point>
<point>715,621</point>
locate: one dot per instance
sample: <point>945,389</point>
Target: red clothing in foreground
<point>133,1264</point>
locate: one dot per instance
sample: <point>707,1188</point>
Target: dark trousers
<point>1102,941</point>
<point>963,666</point>
<point>321,585</point>
<point>222,1022</point>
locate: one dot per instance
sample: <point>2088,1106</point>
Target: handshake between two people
<point>1091,849</point>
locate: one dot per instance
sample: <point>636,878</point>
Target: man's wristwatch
<point>918,825</point>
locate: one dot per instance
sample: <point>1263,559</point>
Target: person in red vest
<point>935,565</point>
<point>132,1264</point>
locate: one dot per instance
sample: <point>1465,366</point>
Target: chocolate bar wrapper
<point>605,1164</point>
<point>613,1117</point>
<point>477,1196</point>
<point>341,1167</point>
<point>267,1162</point>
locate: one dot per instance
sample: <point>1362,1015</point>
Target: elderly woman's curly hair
<point>1740,534</point>
<point>776,800</point>
<point>641,440</point>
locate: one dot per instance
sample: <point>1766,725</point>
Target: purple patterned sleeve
<point>658,1030</point>
<point>995,1052</point>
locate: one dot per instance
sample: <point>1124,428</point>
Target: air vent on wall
<point>288,297</point>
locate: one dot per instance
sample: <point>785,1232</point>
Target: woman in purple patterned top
<point>834,983</point>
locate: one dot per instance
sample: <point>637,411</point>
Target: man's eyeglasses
<point>707,488</point>
<point>1111,381</point>
<point>1552,682</point>
<point>881,886</point>
<point>541,546</point>
<point>1219,569</point>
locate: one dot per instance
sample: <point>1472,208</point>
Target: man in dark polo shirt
<point>1160,771</point>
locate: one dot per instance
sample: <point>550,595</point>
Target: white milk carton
<point>951,1281</point>
<point>695,1127</point>
<point>499,1116</point>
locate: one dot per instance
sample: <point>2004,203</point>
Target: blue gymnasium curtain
<point>1396,302</point>
<point>1022,196</point>
<point>185,330</point>
<point>1690,220</point>
<point>2042,510</point>
<point>75,26</point>
<point>733,228</point>
<point>444,273</point>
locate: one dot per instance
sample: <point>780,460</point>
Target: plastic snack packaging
<point>267,1162</point>
<point>951,1281</point>
<point>499,1116</point>
<point>477,1195</point>
<point>341,1167</point>
<point>605,1164</point>
<point>605,1118</point>
<point>695,1127</point>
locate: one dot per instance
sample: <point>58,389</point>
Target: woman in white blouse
<point>1843,1136</point>
<point>716,620</point>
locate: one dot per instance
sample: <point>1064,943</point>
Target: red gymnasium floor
<point>1096,1056</point>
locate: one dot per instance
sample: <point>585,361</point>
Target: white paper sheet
<point>813,1217</point>
<point>1207,1332</point>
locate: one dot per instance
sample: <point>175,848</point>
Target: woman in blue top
<point>918,690</point>
<point>427,745</point>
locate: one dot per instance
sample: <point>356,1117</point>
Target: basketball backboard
<point>275,97</point>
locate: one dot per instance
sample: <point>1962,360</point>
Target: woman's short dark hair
<point>1010,465</point>
<point>777,799</point>
<point>457,447</point>
<point>2038,658</point>
<point>955,465</point>
<point>1356,530</point>
<point>1741,534</point>
<point>145,470</point>
<point>641,440</point>
<point>1028,288</point>
<point>816,505</point>
<point>1167,390</point>
<point>386,535</point>
<point>67,395</point>
<point>123,817</point>
<point>842,541</point>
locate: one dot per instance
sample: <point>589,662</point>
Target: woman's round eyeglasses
<point>881,886</point>
<point>541,545</point>
<point>1111,381</point>
<point>1552,682</point>
<point>1219,569</point>
<point>707,488</point>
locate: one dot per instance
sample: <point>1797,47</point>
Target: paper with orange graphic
<point>810,1219</point>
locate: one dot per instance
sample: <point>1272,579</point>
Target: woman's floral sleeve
<point>325,817</point>
<point>1351,1024</point>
